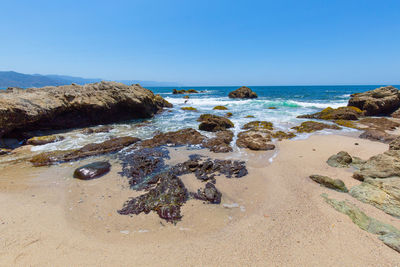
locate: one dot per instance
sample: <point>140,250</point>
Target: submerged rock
<point>380,101</point>
<point>70,106</point>
<point>92,170</point>
<point>312,126</point>
<point>42,140</point>
<point>210,194</point>
<point>341,113</point>
<point>109,146</point>
<point>242,92</point>
<point>255,140</point>
<point>214,123</point>
<point>328,182</point>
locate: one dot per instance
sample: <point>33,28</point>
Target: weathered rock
<point>101,129</point>
<point>210,194</point>
<point>178,138</point>
<point>220,143</point>
<point>380,101</point>
<point>395,144</point>
<point>42,140</point>
<point>381,193</point>
<point>92,170</point>
<point>377,135</point>
<point>243,92</point>
<point>385,165</point>
<point>214,123</point>
<point>109,146</point>
<point>341,113</point>
<point>280,135</point>
<point>347,123</point>
<point>189,108</point>
<point>255,140</point>
<point>382,124</point>
<point>312,126</point>
<point>344,160</point>
<point>72,106</point>
<point>183,91</point>
<point>228,115</point>
<point>258,125</point>
<point>387,233</point>
<point>328,182</point>
<point>220,108</point>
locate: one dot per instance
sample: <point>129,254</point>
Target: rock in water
<point>342,113</point>
<point>243,92</point>
<point>380,101</point>
<point>328,182</point>
<point>72,106</point>
<point>92,170</point>
<point>42,140</point>
<point>214,123</point>
<point>255,140</point>
<point>312,126</point>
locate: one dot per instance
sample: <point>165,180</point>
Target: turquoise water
<point>290,101</point>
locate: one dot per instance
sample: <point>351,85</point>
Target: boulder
<point>344,160</point>
<point>243,92</point>
<point>377,135</point>
<point>42,140</point>
<point>381,193</point>
<point>210,194</point>
<point>71,106</point>
<point>385,165</point>
<point>258,125</point>
<point>341,113</point>
<point>92,170</point>
<point>328,182</point>
<point>214,123</point>
<point>380,101</point>
<point>183,91</point>
<point>312,126</point>
<point>189,108</point>
<point>255,140</point>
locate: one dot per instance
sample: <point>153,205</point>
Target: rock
<point>346,123</point>
<point>344,160</point>
<point>272,108</point>
<point>328,182</point>
<point>258,125</point>
<point>382,124</point>
<point>92,170</point>
<point>385,165</point>
<point>220,108</point>
<point>109,146</point>
<point>42,140</point>
<point>243,92</point>
<point>249,116</point>
<point>221,143</point>
<point>377,135</point>
<point>189,108</point>
<point>312,126</point>
<point>396,114</point>
<point>183,91</point>
<point>228,115</point>
<point>255,140</point>
<point>387,233</point>
<point>380,101</point>
<point>341,113</point>
<point>381,193</point>
<point>395,144</point>
<point>72,106</point>
<point>4,151</point>
<point>280,135</point>
<point>101,129</point>
<point>178,138</point>
<point>214,123</point>
<point>210,194</point>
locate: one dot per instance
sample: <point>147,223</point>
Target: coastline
<point>284,220</point>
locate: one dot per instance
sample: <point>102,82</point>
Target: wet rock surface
<point>109,146</point>
<point>258,125</point>
<point>280,135</point>
<point>183,91</point>
<point>341,113</point>
<point>328,182</point>
<point>380,101</point>
<point>255,140</point>
<point>94,130</point>
<point>220,143</point>
<point>42,140</point>
<point>312,126</point>
<point>92,170</point>
<point>243,92</point>
<point>214,123</point>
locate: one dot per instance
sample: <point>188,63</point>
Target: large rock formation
<point>73,105</point>
<point>380,101</point>
<point>313,126</point>
<point>214,123</point>
<point>243,92</point>
<point>342,113</point>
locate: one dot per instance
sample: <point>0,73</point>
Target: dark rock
<point>109,146</point>
<point>102,129</point>
<point>42,140</point>
<point>312,126</point>
<point>243,92</point>
<point>342,113</point>
<point>183,91</point>
<point>328,182</point>
<point>178,138</point>
<point>92,170</point>
<point>221,143</point>
<point>214,123</point>
<point>377,135</point>
<point>380,101</point>
<point>210,194</point>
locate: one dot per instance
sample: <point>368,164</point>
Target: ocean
<point>289,101</point>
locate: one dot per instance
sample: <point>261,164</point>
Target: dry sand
<point>49,219</point>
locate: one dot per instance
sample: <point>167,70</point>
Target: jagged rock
<point>214,123</point>
<point>243,92</point>
<point>220,108</point>
<point>328,182</point>
<point>255,140</point>
<point>377,135</point>
<point>344,160</point>
<point>385,165</point>
<point>280,135</point>
<point>178,138</point>
<point>312,126</point>
<point>72,106</point>
<point>341,113</point>
<point>395,144</point>
<point>92,170</point>
<point>387,233</point>
<point>220,143</point>
<point>210,194</point>
<point>109,146</point>
<point>102,129</point>
<point>380,101</point>
<point>42,140</point>
<point>381,193</point>
<point>258,125</point>
<point>382,124</point>
<point>272,108</point>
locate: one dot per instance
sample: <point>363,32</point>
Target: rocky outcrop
<point>344,160</point>
<point>380,101</point>
<point>381,193</point>
<point>280,135</point>
<point>109,146</point>
<point>377,135</point>
<point>72,106</point>
<point>92,170</point>
<point>178,138</point>
<point>220,108</point>
<point>243,92</point>
<point>42,140</point>
<point>328,182</point>
<point>255,140</point>
<point>214,123</point>
<point>183,91</point>
<point>312,126</point>
<point>258,125</point>
<point>342,113</point>
<point>382,124</point>
<point>220,143</point>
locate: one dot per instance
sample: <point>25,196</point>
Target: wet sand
<point>47,218</point>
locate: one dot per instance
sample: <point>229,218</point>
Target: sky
<point>205,42</point>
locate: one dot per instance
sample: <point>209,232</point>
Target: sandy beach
<point>50,219</point>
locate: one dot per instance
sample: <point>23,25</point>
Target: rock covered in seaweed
<point>258,125</point>
<point>243,92</point>
<point>210,194</point>
<point>313,126</point>
<point>341,113</point>
<point>220,143</point>
<point>214,123</point>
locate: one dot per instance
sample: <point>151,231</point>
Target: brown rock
<point>255,140</point>
<point>214,123</point>
<point>42,140</point>
<point>312,126</point>
<point>342,113</point>
<point>221,143</point>
<point>377,135</point>
<point>243,92</point>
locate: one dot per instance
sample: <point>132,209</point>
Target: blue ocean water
<point>289,101</point>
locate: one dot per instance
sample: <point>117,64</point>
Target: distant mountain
<point>15,79</point>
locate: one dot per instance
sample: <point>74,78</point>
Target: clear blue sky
<point>205,42</point>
